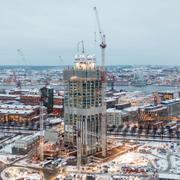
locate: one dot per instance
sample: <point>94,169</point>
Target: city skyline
<point>137,32</point>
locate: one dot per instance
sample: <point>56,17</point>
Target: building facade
<point>114,117</point>
<point>84,109</point>
<point>18,113</point>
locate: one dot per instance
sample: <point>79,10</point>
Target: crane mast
<point>82,44</point>
<point>21,54</point>
<point>103,77</point>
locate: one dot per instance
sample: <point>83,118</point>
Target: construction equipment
<point>112,80</point>
<point>43,99</point>
<point>41,133</point>
<point>79,148</point>
<point>82,43</point>
<point>22,56</point>
<point>18,82</point>
<point>61,59</point>
<point>103,47</point>
<point>102,38</point>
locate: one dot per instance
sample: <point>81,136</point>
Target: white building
<point>114,117</point>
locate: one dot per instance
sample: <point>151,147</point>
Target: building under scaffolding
<point>84,107</point>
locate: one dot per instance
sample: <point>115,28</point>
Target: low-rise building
<point>58,110</point>
<point>8,97</point>
<point>168,95</point>
<point>25,144</point>
<point>173,106</point>
<point>115,117</point>
<point>18,113</point>
<point>152,113</point>
<point>30,99</point>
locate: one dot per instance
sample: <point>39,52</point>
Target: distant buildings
<point>152,113</point>
<point>173,106</point>
<point>115,117</point>
<point>30,99</point>
<point>18,113</point>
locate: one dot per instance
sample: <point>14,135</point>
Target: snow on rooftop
<point>58,106</point>
<point>169,176</point>
<point>111,110</point>
<point>7,111</point>
<point>171,101</point>
<point>131,109</point>
<point>8,95</point>
<point>17,106</point>
<point>60,97</point>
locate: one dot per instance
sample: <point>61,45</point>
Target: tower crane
<point>24,62</point>
<point>61,59</point>
<point>22,56</point>
<point>103,77</point>
<point>102,135</point>
<point>82,44</point>
<point>102,38</point>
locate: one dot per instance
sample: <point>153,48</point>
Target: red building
<point>58,108</point>
<point>8,97</point>
<point>58,100</point>
<point>30,99</point>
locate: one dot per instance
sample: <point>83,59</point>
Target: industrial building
<point>84,108</point>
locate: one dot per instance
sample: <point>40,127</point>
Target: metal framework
<point>103,73</point>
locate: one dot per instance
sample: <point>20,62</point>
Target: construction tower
<point>84,108</point>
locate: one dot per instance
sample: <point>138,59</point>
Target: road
<point>141,139</point>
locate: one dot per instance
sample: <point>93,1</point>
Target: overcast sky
<point>138,31</point>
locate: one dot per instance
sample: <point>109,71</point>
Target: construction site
<point>88,131</point>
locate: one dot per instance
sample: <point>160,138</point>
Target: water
<point>146,89</point>
<point>9,87</point>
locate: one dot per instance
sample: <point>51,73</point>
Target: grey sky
<point>138,31</point>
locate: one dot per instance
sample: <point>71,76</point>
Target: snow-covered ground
<point>13,173</point>
<point>153,156</point>
<point>8,159</point>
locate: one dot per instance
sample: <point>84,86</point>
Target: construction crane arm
<point>98,23</point>
<point>102,37</point>
<point>22,56</point>
<point>101,34</point>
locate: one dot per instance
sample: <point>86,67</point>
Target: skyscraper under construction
<point>84,108</point>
